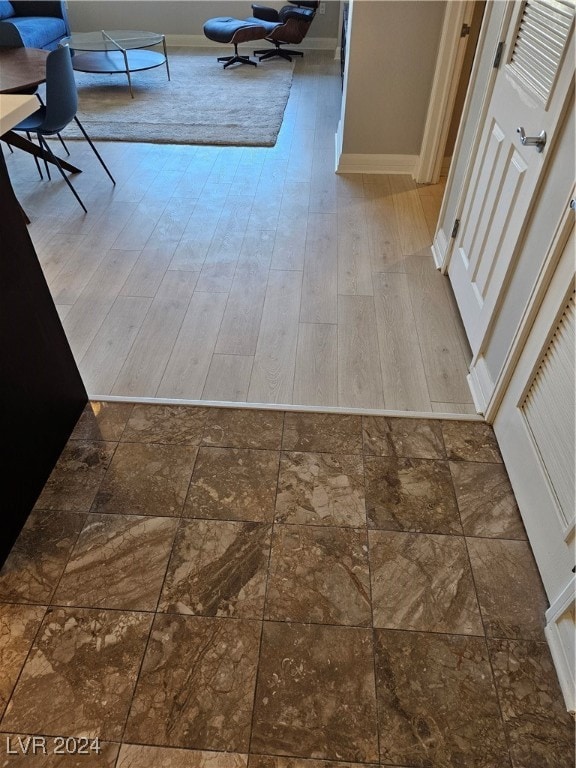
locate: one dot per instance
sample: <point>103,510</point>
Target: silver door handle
<point>532,141</point>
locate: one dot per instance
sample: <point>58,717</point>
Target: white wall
<point>181,17</point>
<point>393,47</point>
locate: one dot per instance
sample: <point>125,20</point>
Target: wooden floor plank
<point>241,322</point>
<point>412,229</point>
<point>354,262</point>
<point>359,375</point>
<point>217,272</point>
<point>403,376</point>
<point>89,311</point>
<point>148,272</point>
<point>445,366</point>
<point>144,367</point>
<point>316,375</point>
<point>385,249</point>
<point>137,231</point>
<point>188,366</point>
<point>272,378</point>
<point>320,282</point>
<point>104,358</point>
<point>228,378</point>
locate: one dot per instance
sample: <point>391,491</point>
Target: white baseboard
<point>481,385</point>
<point>559,632</point>
<point>439,248</point>
<point>350,163</point>
<point>338,146</point>
<point>200,41</point>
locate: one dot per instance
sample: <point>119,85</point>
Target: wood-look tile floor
<point>251,274</point>
<point>222,588</point>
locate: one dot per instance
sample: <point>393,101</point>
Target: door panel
<point>505,173</point>
<point>535,426</point>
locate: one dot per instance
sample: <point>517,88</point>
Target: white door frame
<point>444,88</point>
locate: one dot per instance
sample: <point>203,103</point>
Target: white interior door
<point>535,426</point>
<point>530,92</point>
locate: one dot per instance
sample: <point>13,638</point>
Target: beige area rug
<point>201,104</point>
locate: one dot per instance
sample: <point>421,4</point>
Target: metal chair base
<point>236,59</point>
<point>271,53</point>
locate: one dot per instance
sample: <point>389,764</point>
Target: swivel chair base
<point>236,59</point>
<point>270,53</point>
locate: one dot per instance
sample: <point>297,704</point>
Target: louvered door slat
<point>549,410</point>
<point>556,29</point>
<point>552,24</point>
<point>534,34</point>
<point>560,8</point>
<point>540,40</point>
<point>542,69</point>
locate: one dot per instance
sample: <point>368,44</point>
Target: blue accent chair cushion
<point>39,33</point>
<point>6,9</point>
<point>34,24</point>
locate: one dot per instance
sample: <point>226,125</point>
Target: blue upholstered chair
<point>32,23</point>
<point>59,110</point>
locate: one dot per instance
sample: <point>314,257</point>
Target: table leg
<point>127,66</point>
<point>14,139</point>
<point>166,55</point>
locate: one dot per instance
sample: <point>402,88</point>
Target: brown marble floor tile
<point>405,438</point>
<point>233,484</point>
<point>319,575</point>
<point>39,555</point>
<point>422,582</point>
<point>322,432</point>
<point>486,500</point>
<point>410,495</point>
<point>119,561</point>
<point>196,687</point>
<point>77,475</point>
<point>146,479</point>
<point>104,758</point>
<point>315,695</point>
<point>80,674</point>
<point>273,761</point>
<point>437,703</point>
<point>102,421</point>
<point>540,730</point>
<point>321,489</point>
<point>470,441</point>
<point>218,569</point>
<point>137,756</point>
<point>510,592</point>
<point>244,428</point>
<point>166,424</point>
<point>18,627</point>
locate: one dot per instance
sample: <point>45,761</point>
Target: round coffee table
<point>118,50</point>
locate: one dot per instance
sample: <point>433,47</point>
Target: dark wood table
<point>22,70</point>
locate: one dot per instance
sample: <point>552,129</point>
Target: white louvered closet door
<point>535,427</point>
<point>531,89</point>
<point>548,409</point>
